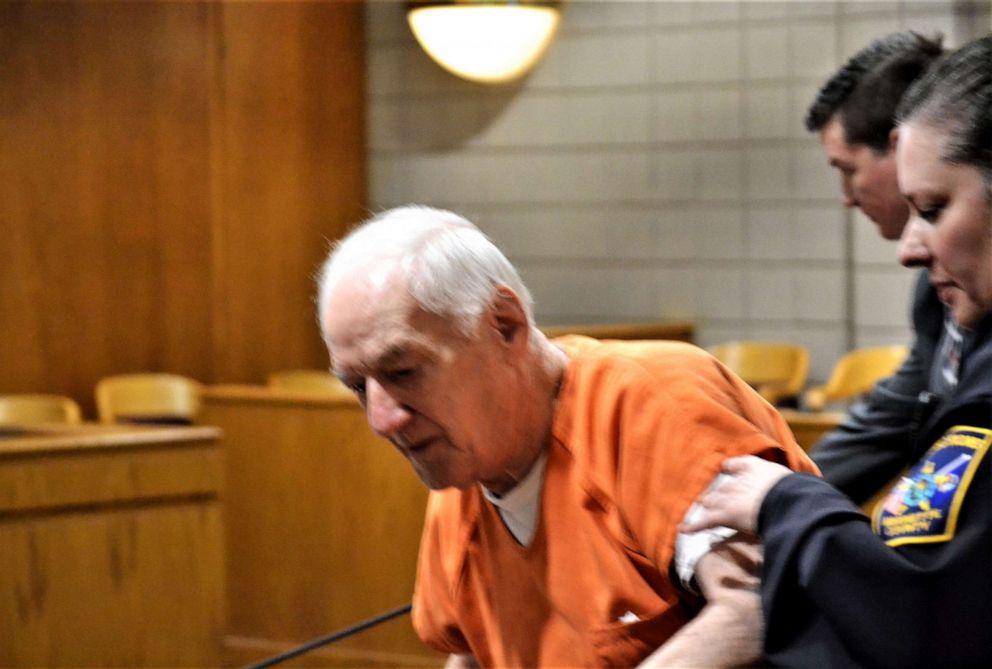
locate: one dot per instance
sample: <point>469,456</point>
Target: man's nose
<point>386,416</point>
<point>913,250</point>
<point>847,192</point>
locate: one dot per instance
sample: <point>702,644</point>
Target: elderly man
<point>559,470</point>
<point>854,114</point>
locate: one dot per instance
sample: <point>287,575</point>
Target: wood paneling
<point>111,548</point>
<point>103,193</point>
<point>323,525</point>
<point>289,174</point>
<point>169,173</point>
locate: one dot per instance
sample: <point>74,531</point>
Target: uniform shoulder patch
<point>923,506</point>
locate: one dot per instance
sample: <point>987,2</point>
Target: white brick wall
<point>654,165</point>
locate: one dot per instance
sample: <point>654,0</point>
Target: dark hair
<point>866,91</point>
<point>956,96</point>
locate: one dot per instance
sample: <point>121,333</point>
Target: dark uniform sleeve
<point>834,594</point>
<point>875,441</point>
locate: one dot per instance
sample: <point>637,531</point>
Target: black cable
<point>334,636</point>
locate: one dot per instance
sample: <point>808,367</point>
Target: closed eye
<point>357,387</point>
<point>402,375</point>
<point>931,214</point>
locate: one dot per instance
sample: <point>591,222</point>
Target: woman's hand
<point>736,500</point>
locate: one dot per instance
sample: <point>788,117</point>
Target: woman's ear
<point>893,140</point>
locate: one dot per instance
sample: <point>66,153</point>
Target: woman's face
<point>950,224</point>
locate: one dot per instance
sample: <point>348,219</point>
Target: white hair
<point>449,266</point>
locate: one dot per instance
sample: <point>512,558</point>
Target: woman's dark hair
<point>955,95</point>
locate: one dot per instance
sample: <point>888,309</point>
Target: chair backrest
<point>855,373</point>
<point>308,380</point>
<point>33,409</point>
<point>147,398</point>
<point>777,370</point>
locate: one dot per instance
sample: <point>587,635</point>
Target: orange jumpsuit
<point>639,431</point>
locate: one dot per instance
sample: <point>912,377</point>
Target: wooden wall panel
<point>168,175</point>
<point>289,125</point>
<point>103,198</point>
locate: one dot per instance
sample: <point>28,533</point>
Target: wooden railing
<point>323,522</point>
<point>111,539</point>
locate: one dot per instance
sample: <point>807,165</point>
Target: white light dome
<point>485,43</point>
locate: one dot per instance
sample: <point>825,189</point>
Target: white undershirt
<point>518,507</point>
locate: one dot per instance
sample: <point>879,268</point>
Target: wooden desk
<point>678,330</point>
<point>323,527</point>
<point>809,426</point>
<point>110,546</point>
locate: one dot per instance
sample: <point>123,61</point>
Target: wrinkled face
<point>950,226</point>
<point>442,400</point>
<point>868,180</point>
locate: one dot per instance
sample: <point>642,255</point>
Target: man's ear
<point>893,140</point>
<point>508,316</point>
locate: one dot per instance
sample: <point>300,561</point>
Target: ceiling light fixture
<point>487,41</point>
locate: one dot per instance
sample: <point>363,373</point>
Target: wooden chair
<point>777,370</point>
<point>854,374</point>
<point>33,409</point>
<point>308,380</point>
<point>147,398</point>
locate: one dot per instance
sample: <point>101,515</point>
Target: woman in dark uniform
<point>912,585</point>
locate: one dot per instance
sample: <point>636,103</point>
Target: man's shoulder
<point>637,357</point>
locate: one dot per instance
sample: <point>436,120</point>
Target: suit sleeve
<point>874,442</point>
